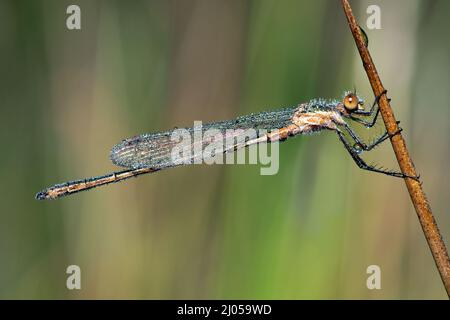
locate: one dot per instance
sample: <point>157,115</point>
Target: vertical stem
<point>418,197</point>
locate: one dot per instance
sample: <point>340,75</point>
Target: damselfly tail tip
<point>42,195</point>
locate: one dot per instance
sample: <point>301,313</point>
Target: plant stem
<point>418,197</point>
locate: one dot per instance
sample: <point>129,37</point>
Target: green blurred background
<point>215,231</point>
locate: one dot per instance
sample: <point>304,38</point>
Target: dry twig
<point>418,198</point>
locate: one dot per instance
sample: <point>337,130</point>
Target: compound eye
<point>351,102</point>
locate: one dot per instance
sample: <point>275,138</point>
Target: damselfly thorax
<point>152,152</point>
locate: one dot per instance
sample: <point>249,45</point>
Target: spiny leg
<point>367,124</point>
<point>374,104</point>
<point>363,165</point>
<point>371,123</point>
<point>367,147</point>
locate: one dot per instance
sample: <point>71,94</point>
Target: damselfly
<point>152,152</point>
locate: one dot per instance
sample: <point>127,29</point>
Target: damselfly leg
<point>368,123</point>
<point>359,145</point>
<point>363,165</point>
<point>362,146</point>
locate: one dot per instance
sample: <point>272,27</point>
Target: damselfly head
<point>352,102</point>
